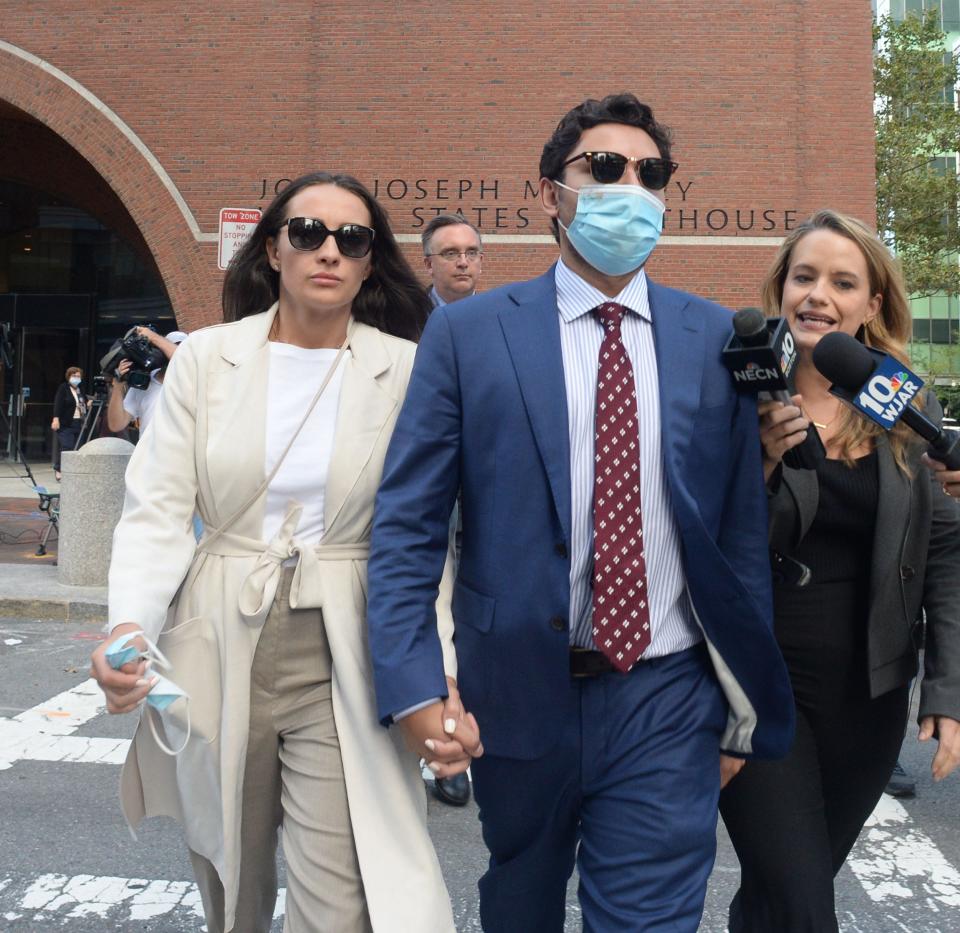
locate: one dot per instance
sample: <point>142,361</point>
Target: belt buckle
<point>581,675</point>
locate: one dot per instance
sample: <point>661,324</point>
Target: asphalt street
<point>68,862</point>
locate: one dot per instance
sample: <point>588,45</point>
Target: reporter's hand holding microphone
<point>782,428</point>
<point>761,355</point>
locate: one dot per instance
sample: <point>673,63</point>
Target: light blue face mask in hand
<point>163,692</point>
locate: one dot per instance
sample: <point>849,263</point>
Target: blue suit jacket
<point>486,412</point>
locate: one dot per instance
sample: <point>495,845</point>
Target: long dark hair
<point>390,299</point>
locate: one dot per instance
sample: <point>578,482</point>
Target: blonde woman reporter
<point>883,544</point>
<point>275,426</point>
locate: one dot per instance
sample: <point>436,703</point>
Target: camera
<point>136,348</point>
<point>101,387</point>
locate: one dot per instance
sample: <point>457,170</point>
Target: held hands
<point>948,479</point>
<point>781,427</point>
<point>127,687</point>
<point>947,731</point>
<point>443,734</point>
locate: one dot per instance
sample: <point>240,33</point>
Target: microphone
<point>881,388</point>
<point>761,355</point>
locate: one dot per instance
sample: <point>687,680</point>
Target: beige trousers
<point>293,778</point>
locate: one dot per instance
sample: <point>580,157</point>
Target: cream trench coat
<point>205,450</point>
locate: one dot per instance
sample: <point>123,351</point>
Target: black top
<point>64,404</point>
<point>839,544</point>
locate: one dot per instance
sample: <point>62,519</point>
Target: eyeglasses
<point>452,255</point>
<point>608,167</point>
<point>353,240</point>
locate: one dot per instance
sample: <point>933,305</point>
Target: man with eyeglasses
<point>613,599</point>
<point>453,255</point>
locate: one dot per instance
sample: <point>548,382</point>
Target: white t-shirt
<point>140,403</point>
<point>295,376</point>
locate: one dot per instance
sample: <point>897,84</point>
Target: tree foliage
<point>917,126</point>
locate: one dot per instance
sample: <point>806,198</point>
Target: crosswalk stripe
<point>896,860</point>
<point>893,860</point>
<point>45,731</point>
<point>53,896</point>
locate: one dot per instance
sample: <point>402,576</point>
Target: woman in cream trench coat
<point>205,450</point>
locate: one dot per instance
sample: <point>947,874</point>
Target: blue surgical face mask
<point>74,381</point>
<point>615,227</point>
<point>164,691</point>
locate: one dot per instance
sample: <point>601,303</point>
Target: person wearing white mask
<point>612,600</point>
<point>69,409</point>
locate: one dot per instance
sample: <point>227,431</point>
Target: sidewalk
<point>31,591</point>
<point>28,583</point>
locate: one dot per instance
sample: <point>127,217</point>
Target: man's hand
<point>948,479</point>
<point>730,767</point>
<point>167,346</point>
<point>453,715</point>
<point>443,735</point>
<point>948,748</point>
<point>126,687</point>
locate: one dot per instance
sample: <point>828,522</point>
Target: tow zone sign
<point>236,224</point>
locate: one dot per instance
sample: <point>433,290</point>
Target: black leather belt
<point>585,662</point>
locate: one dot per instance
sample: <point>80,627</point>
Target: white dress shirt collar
<point>576,296</point>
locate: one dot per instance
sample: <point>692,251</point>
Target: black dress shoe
<point>453,790</point>
<point>900,783</point>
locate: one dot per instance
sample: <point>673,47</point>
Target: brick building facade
<point>152,117</point>
<point>126,128</point>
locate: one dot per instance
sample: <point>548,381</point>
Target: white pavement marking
<point>45,732</point>
<point>58,897</point>
<point>13,641</point>
<point>895,860</point>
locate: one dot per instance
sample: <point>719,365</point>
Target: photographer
<point>129,403</point>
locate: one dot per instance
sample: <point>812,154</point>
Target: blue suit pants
<point>629,793</point>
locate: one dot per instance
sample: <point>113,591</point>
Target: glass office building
<point>935,349</point>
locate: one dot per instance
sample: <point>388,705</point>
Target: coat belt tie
<point>260,586</point>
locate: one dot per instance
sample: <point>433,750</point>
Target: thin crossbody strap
<point>262,487</point>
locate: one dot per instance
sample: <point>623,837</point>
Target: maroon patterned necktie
<point>621,616</point>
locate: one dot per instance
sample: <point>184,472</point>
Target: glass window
<point>950,15</point>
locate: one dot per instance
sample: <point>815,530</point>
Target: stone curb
<point>52,610</point>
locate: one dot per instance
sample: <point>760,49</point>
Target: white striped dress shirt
<point>581,333</point>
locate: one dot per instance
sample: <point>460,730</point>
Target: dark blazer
<point>915,572</point>
<point>64,404</point>
<point>486,412</point>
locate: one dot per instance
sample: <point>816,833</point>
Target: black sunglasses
<point>353,240</point>
<point>608,167</point>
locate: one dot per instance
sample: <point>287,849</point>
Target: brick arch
<point>94,131</point>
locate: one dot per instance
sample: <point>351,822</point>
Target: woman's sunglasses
<point>608,167</point>
<point>353,240</point>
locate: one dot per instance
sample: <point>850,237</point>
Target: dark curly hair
<point>622,108</point>
<point>390,299</point>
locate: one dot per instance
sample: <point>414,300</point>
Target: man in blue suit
<point>613,603</point>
